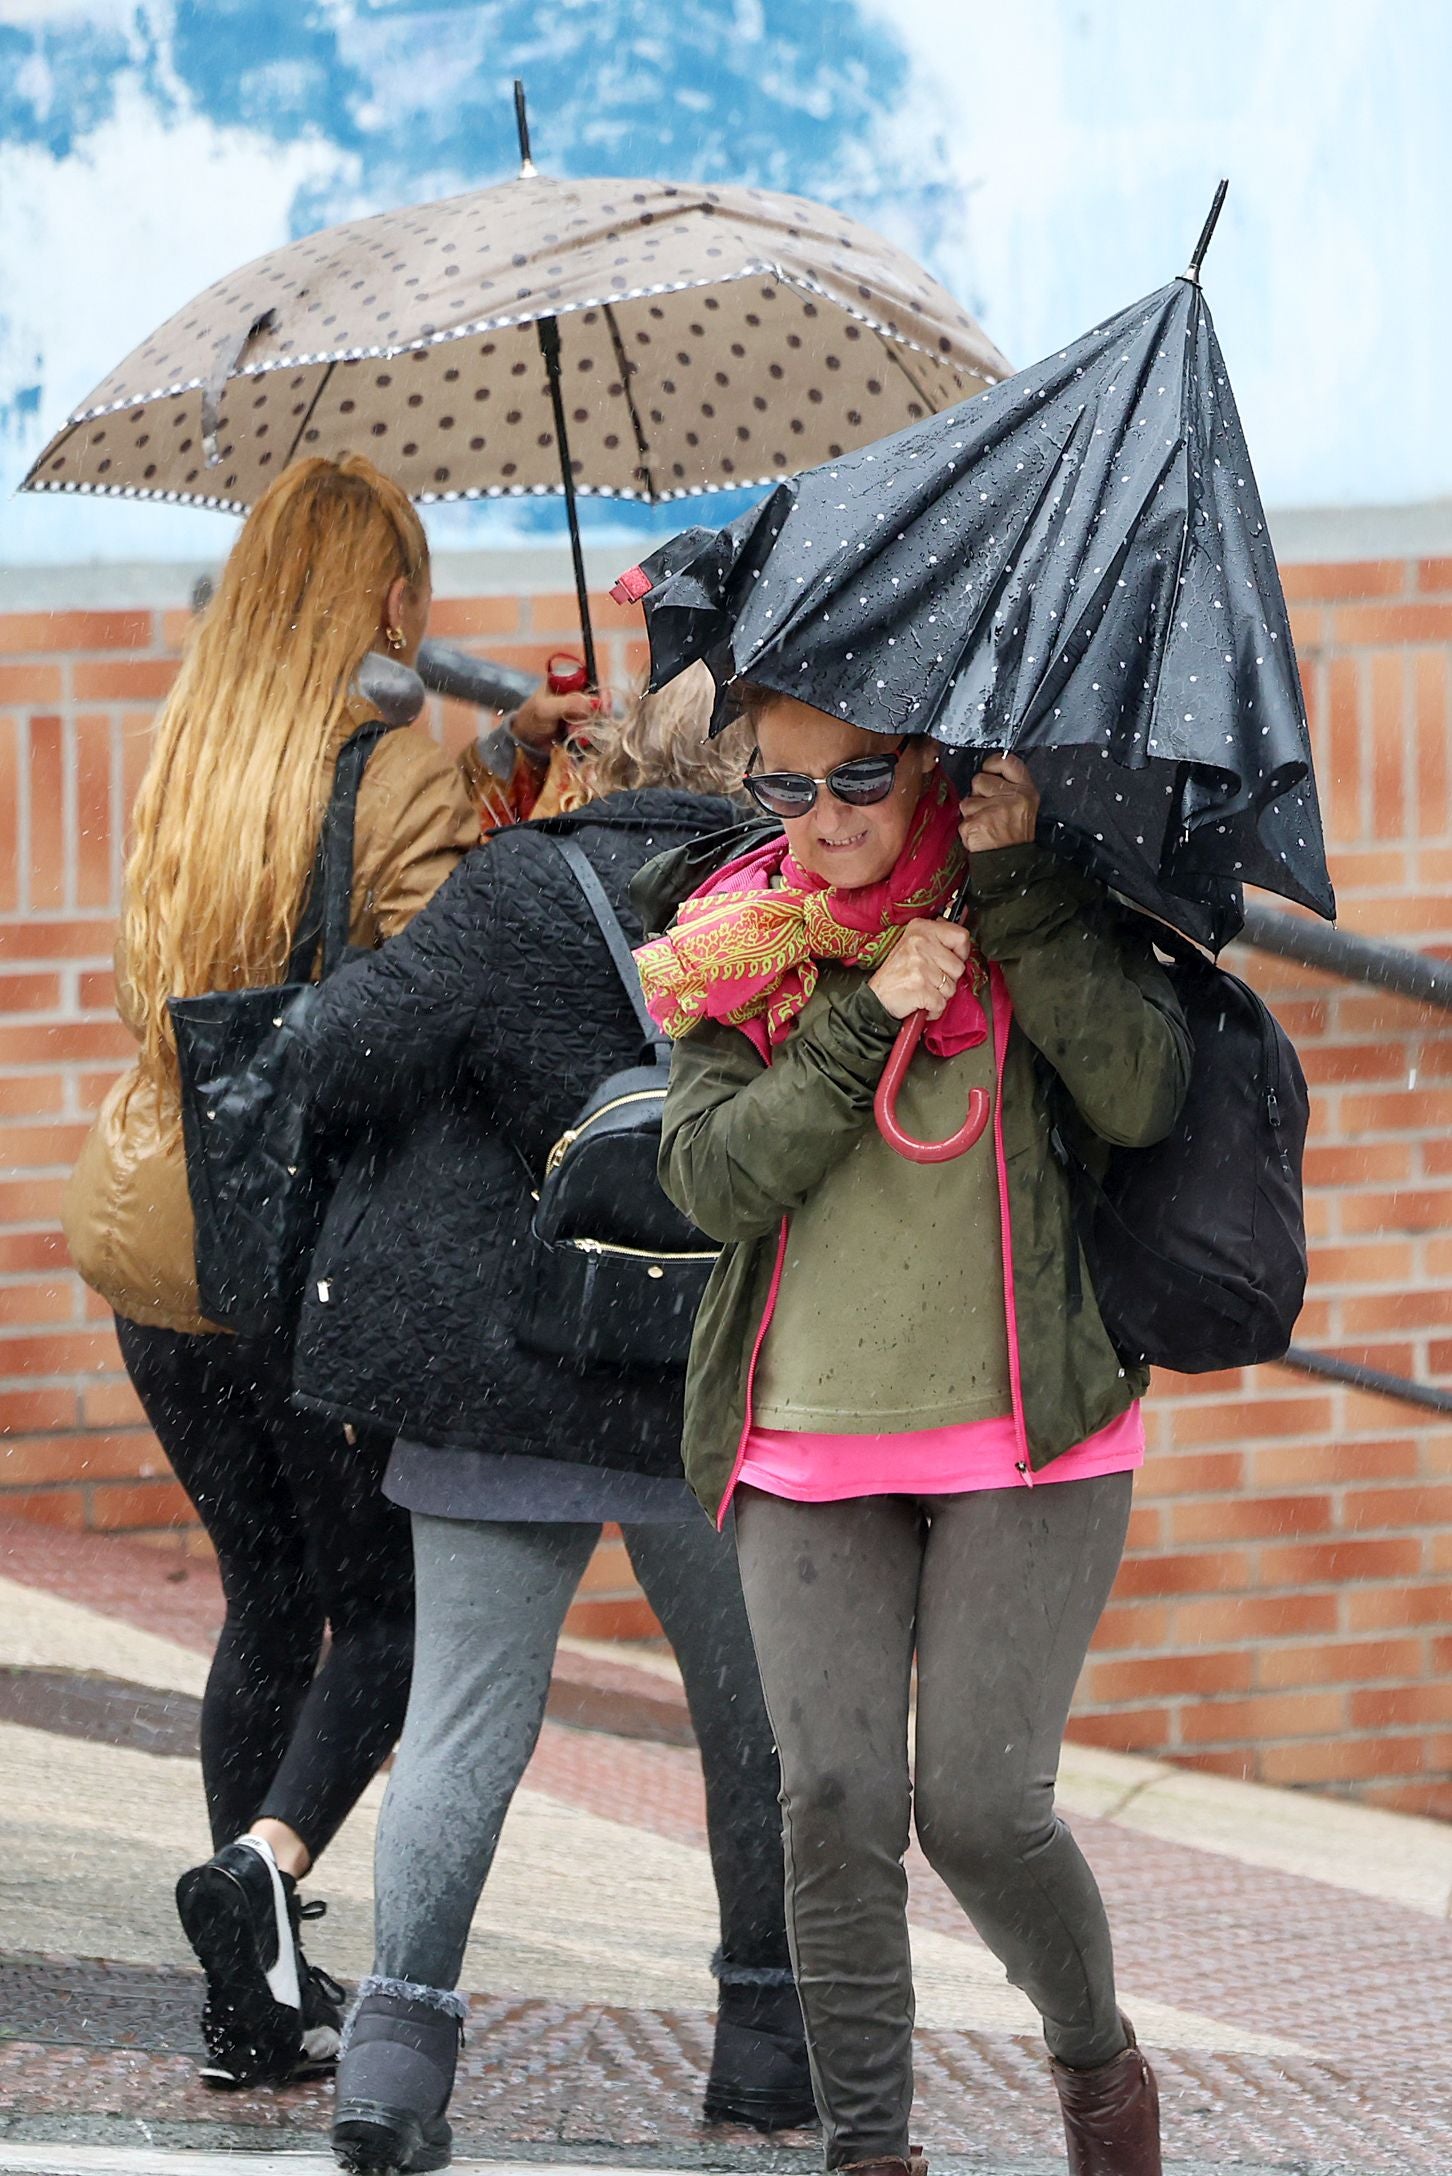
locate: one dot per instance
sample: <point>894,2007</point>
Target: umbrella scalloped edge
<point>85,489</point>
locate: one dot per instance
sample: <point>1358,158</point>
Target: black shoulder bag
<point>616,1271</point>
<point>1197,1246</point>
<point>258,1170</point>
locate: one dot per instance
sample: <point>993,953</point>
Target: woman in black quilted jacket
<point>465,1048</point>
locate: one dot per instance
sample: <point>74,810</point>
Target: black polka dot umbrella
<point>1073,565</point>
<point>710,338</point>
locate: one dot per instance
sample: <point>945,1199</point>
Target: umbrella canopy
<point>712,338</point>
<point>1074,565</point>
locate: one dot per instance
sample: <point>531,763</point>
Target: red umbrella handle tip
<point>884,1105</point>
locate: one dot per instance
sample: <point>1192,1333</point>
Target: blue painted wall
<point>1048,159</point>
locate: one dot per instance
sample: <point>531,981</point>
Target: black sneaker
<point>268,2016</point>
<point>323,2000</point>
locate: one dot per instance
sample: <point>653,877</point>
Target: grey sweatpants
<point>998,1593</point>
<point>491,1598</point>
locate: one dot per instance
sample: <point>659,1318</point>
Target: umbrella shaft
<point>1197,255</point>
<point>549,342</point>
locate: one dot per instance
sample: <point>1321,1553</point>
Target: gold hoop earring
<point>393,636</point>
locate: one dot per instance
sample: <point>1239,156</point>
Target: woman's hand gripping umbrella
<point>917,980</point>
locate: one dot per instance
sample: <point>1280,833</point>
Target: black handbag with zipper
<point>617,1273</point>
<point>259,1167</point>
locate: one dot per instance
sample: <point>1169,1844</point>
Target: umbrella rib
<point>894,356</point>
<point>623,366</point>
<point>1182,557</point>
<point>312,404</point>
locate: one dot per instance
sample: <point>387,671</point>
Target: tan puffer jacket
<point>127,1215</point>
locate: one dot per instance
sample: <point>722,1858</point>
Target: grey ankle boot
<point>395,2076</point>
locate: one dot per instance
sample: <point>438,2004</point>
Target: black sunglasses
<point>860,783</point>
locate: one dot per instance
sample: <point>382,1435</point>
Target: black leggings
<point>305,1539</point>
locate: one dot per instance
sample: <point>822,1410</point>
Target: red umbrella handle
<point>884,1104</point>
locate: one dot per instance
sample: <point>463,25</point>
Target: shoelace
<point>316,1908</point>
<point>317,1977</point>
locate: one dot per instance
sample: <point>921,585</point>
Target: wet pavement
<point>1287,1960</point>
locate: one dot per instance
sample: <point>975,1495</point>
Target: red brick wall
<point>1286,1606</point>
<point>1285,1610</point>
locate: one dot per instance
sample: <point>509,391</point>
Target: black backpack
<point>259,1171</point>
<point>1197,1246</point>
<point>616,1271</point>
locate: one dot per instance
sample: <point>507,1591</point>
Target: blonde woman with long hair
<point>331,563</point>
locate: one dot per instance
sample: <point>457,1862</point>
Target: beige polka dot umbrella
<point>624,339</point>
<point>710,338</point>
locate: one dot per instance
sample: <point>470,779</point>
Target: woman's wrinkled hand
<point>542,719</point>
<point>921,972</point>
<point>1002,809</point>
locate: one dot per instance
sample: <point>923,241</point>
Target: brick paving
<point>1351,1990</point>
<point>1354,1982</point>
<point>115,2042</point>
<point>156,1589</point>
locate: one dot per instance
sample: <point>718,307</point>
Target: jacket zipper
<point>762,1327</point>
<point>1271,1061</point>
<point>568,1139</point>
<point>643,1254</point>
<point>1002,1027</point>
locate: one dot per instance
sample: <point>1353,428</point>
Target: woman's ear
<point>395,605</point>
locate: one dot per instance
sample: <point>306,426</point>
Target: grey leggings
<point>999,1593</point>
<point>491,1598</point>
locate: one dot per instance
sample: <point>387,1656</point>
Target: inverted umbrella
<point>709,338</point>
<point>1075,566</point>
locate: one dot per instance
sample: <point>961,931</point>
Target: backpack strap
<point>578,862</point>
<point>327,910</point>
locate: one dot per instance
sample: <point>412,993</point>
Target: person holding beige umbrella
<point>633,340</point>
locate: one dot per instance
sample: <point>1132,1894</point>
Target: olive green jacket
<point>1098,1046</point>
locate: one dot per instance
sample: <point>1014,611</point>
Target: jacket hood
<point>657,889</point>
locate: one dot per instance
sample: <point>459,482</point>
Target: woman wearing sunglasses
<point>900,1381</point>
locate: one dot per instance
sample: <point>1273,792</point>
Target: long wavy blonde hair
<point>226,821</point>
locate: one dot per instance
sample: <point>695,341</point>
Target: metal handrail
<point>1388,967</point>
<point>1358,959</point>
<point>1403,1387</point>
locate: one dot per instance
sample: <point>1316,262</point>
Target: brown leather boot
<point>1111,2115</point>
<point>916,2164</point>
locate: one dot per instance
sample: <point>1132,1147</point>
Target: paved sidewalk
<point>1288,1960</point>
<point>157,2161</point>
